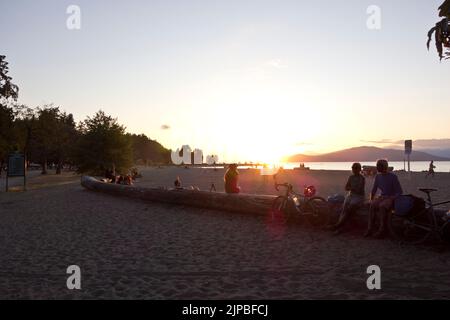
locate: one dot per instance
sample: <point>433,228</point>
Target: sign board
<point>16,165</point>
<point>16,168</point>
<point>408,146</point>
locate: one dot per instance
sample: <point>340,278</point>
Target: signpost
<point>16,168</point>
<point>408,151</point>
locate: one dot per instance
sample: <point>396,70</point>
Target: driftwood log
<point>241,203</point>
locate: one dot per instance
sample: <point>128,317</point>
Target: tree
<point>24,126</point>
<point>65,139</point>
<point>6,132</point>
<point>147,151</point>
<point>45,135</point>
<point>8,90</point>
<point>103,146</point>
<point>441,32</point>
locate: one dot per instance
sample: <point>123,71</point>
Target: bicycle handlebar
<point>286,185</point>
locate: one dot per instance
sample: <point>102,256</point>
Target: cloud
<point>165,127</point>
<point>276,63</point>
<point>302,143</point>
<point>383,141</point>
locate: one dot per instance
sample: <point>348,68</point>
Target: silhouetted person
<point>231,179</point>
<point>356,190</point>
<point>177,183</point>
<point>431,169</point>
<point>390,188</point>
<point>109,174</point>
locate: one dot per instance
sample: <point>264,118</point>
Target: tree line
<point>49,135</point>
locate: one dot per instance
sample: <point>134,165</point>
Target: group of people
<point>380,206</point>
<point>389,186</point>
<point>125,179</point>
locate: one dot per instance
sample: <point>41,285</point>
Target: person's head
<point>382,166</point>
<point>356,168</point>
<point>233,166</point>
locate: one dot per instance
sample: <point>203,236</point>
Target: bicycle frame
<point>439,203</point>
<point>437,229</point>
<point>290,193</point>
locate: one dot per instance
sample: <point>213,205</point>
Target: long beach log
<point>241,203</point>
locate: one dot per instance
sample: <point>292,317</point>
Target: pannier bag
<point>336,199</point>
<point>408,204</point>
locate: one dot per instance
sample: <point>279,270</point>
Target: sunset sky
<point>248,80</point>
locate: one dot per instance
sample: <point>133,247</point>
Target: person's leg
<point>344,214</point>
<point>372,216</point>
<point>351,204</point>
<point>382,228</point>
<point>384,208</point>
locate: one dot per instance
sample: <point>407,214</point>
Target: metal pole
<point>409,163</point>
<point>24,174</point>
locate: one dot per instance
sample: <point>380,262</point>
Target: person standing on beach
<point>231,179</point>
<point>390,188</point>
<point>356,191</point>
<point>431,169</point>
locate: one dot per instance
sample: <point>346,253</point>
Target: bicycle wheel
<point>414,229</point>
<point>281,210</point>
<point>317,212</point>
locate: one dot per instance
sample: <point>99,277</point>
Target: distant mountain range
<point>365,154</point>
<point>438,152</point>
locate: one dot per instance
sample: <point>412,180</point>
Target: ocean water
<point>416,166</point>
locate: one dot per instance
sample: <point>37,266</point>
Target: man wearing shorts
<point>390,188</point>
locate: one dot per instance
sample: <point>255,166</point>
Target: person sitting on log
<point>109,174</point>
<point>125,180</point>
<point>177,183</point>
<point>135,174</point>
<point>355,199</point>
<point>231,179</point>
<point>390,188</point>
<point>128,180</point>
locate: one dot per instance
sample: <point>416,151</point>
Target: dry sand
<point>133,249</point>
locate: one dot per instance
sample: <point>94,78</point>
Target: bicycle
<point>418,227</point>
<point>309,206</point>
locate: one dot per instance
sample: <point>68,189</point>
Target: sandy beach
<point>130,249</point>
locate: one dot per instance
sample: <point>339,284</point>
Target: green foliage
<point>103,145</point>
<point>52,136</point>
<point>8,90</point>
<point>6,130</point>
<point>441,32</point>
<point>147,151</point>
